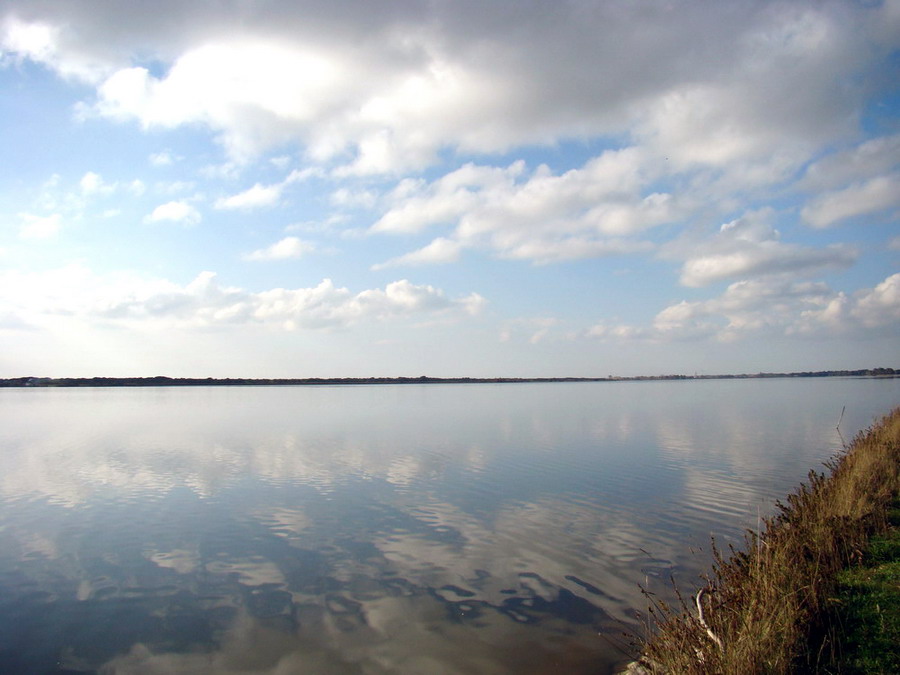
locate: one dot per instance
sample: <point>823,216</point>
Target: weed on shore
<point>768,608</point>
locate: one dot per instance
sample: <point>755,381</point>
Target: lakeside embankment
<point>771,607</point>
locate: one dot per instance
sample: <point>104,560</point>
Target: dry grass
<point>767,605</point>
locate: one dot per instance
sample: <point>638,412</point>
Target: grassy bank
<point>866,607</point>
<point>770,608</point>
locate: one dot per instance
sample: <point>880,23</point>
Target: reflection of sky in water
<point>436,529</point>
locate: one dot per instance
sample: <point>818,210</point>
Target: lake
<point>480,528</point>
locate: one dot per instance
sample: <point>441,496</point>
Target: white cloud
<point>538,216</point>
<point>879,306</point>
<point>92,183</point>
<point>768,257</point>
<point>533,330</point>
<point>265,195</point>
<point>75,292</point>
<point>163,158</point>
<point>552,250</point>
<point>438,251</point>
<point>348,198</point>
<point>693,112</point>
<point>771,307</point>
<point>750,247</point>
<point>287,248</point>
<point>35,40</point>
<point>389,87</point>
<point>761,306</point>
<point>45,41</point>
<point>178,212</point>
<point>174,187</point>
<point>418,205</point>
<point>251,198</point>
<point>330,224</point>
<point>872,196</point>
<point>39,227</point>
<point>862,162</point>
<point>869,311</point>
<point>618,332</point>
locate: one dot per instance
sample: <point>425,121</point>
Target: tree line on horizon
<point>164,381</point>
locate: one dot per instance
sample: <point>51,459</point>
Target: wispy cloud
<point>438,251</point>
<point>260,195</point>
<point>284,249</point>
<point>162,158</point>
<point>251,198</point>
<point>176,212</point>
<point>39,227</point>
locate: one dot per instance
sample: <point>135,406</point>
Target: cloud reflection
<point>381,529</point>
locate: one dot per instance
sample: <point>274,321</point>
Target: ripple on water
<point>373,530</point>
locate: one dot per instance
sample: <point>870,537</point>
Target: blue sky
<point>289,189</point>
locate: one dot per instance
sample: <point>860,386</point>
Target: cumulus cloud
<point>761,306</point>
<point>390,86</point>
<point>869,310</point>
<point>176,212</point>
<point>285,249</point>
<point>751,247</point>
<point>879,306</point>
<point>692,111</point>
<point>76,292</point>
<point>92,183</point>
<point>771,307</point>
<point>538,215</point>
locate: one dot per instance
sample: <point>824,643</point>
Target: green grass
<point>867,607</point>
<point>772,608</point>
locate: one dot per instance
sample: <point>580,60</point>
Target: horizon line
<point>165,380</point>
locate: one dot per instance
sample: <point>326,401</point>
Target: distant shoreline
<point>162,381</point>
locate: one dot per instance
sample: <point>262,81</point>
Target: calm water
<point>381,529</point>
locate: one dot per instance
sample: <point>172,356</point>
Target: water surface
<point>382,529</point>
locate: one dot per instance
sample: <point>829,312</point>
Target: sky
<point>358,188</point>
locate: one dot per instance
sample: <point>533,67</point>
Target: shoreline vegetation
<point>163,381</point>
<point>781,605</point>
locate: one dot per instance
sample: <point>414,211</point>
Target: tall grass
<point>764,608</point>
